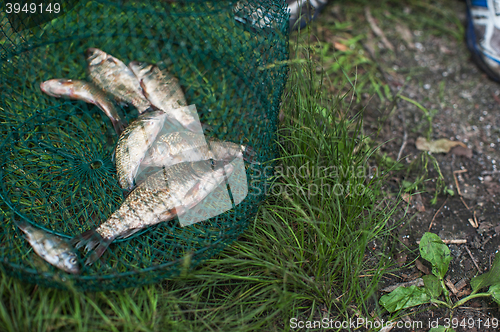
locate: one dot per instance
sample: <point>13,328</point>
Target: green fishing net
<point>56,155</point>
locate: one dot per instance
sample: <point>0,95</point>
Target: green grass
<point>305,255</point>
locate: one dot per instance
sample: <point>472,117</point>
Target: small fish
<point>133,144</point>
<point>163,90</point>
<point>172,148</point>
<point>114,77</point>
<point>169,192</point>
<point>52,248</point>
<point>86,91</point>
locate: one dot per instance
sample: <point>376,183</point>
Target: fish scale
<point>52,248</point>
<point>164,92</point>
<point>114,77</point>
<point>169,192</point>
<point>172,148</point>
<point>86,91</point>
<point>134,143</point>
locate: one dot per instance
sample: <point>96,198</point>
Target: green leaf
<point>432,249</point>
<point>441,329</point>
<point>404,297</point>
<point>432,286</point>
<point>495,293</point>
<point>489,278</point>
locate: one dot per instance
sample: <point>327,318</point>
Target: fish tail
<point>194,127</point>
<point>249,154</point>
<point>206,127</point>
<point>21,224</point>
<point>119,126</point>
<point>151,108</point>
<point>92,241</point>
<point>98,251</point>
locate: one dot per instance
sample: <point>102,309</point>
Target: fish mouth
<point>92,54</point>
<point>47,91</point>
<point>136,64</point>
<point>74,270</point>
<point>140,68</point>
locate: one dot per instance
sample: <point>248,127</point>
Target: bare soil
<point>438,73</point>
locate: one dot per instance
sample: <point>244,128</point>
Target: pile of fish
<point>167,134</point>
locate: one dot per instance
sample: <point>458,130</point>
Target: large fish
<point>134,143</point>
<point>172,148</point>
<point>114,77</point>
<point>86,91</point>
<point>52,248</point>
<point>169,192</point>
<point>163,90</point>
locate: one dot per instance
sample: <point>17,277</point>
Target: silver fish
<point>114,77</point>
<point>134,143</point>
<point>52,248</point>
<point>163,90</point>
<point>86,91</point>
<point>172,148</point>
<point>169,192</point>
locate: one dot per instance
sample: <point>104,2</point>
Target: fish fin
<point>94,242</point>
<point>21,224</point>
<point>119,126</point>
<point>249,154</point>
<point>206,127</point>
<point>126,192</point>
<point>168,215</point>
<point>143,87</point>
<point>194,127</point>
<point>121,103</point>
<point>89,239</point>
<point>98,251</point>
<point>150,109</point>
<point>128,233</point>
<point>194,189</point>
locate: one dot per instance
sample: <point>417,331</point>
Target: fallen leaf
<point>485,226</point>
<point>405,34</point>
<point>418,204</point>
<point>422,267</point>
<point>401,259</point>
<point>463,293</point>
<point>450,286</point>
<point>443,49</point>
<point>442,145</point>
<point>406,197</point>
<point>340,47</point>
<point>492,188</point>
<point>461,151</point>
<point>461,284</point>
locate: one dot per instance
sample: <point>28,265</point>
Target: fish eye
<point>72,261</point>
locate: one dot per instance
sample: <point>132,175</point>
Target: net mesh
<point>57,171</point>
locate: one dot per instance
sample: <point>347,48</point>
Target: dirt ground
<point>442,77</point>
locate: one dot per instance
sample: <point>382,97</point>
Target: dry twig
<point>419,282</point>
<point>459,241</point>
<point>376,29</point>
<point>432,221</point>
<point>456,181</point>
<point>473,259</point>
